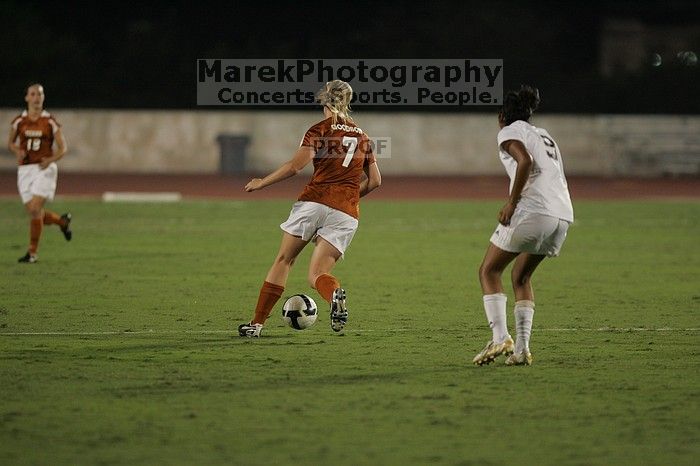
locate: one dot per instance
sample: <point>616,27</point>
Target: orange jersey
<point>35,137</point>
<point>342,152</point>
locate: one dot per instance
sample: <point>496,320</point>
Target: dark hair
<point>26,89</point>
<point>520,105</point>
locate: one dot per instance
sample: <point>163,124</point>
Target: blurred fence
<point>420,144</point>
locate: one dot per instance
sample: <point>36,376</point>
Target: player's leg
<point>333,238</point>
<point>546,236</point>
<point>273,286</point>
<point>521,275</point>
<point>63,221</point>
<point>323,259</point>
<point>491,269</point>
<point>290,248</point>
<point>490,272</point>
<point>36,186</point>
<point>298,229</point>
<point>524,310</point>
<point>276,279</point>
<point>35,209</point>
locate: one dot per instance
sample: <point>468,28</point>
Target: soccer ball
<point>299,312</point>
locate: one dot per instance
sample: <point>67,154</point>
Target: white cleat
<point>339,310</point>
<point>523,358</point>
<point>492,350</point>
<point>250,330</point>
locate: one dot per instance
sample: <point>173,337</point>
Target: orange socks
<point>269,295</point>
<point>326,285</point>
<point>51,218</point>
<point>35,227</point>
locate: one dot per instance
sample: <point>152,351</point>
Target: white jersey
<point>546,191</point>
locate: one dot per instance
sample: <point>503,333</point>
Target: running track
<point>405,187</point>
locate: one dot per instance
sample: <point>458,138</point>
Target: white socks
<point>495,307</point>
<point>523,311</point>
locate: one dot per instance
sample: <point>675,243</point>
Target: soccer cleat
<point>250,330</point>
<point>523,358</point>
<point>28,258</point>
<point>67,233</point>
<point>339,311</point>
<point>492,350</point>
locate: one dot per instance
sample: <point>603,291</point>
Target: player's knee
<point>285,259</point>
<point>35,211</point>
<point>487,272</point>
<point>482,273</point>
<point>519,278</point>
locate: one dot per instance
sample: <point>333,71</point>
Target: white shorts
<point>33,181</point>
<point>531,233</point>
<point>308,220</point>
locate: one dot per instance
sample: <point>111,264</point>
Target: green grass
<point>615,339</point>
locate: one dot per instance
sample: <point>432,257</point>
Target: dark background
<point>143,55</point>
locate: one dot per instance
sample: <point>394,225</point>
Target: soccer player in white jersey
<point>532,224</point>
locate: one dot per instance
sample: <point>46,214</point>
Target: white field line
<point>233,331</point>
<point>127,196</point>
<point>618,329</point>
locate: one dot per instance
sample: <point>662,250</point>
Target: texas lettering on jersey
<point>35,137</point>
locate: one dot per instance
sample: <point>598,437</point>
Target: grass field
<point>120,347</point>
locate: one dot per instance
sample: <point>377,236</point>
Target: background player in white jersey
<point>532,224</point>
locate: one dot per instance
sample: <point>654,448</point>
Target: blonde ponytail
<point>336,96</point>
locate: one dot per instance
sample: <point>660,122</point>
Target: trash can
<point>234,152</point>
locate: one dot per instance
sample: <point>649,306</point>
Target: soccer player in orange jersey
<point>327,210</point>
<point>37,131</point>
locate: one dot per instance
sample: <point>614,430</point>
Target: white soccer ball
<point>299,312</point>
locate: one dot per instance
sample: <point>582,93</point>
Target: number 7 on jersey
<point>351,144</point>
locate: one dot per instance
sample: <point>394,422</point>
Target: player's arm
<point>301,158</point>
<point>14,148</point>
<point>59,152</point>
<point>372,181</point>
<point>517,150</point>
